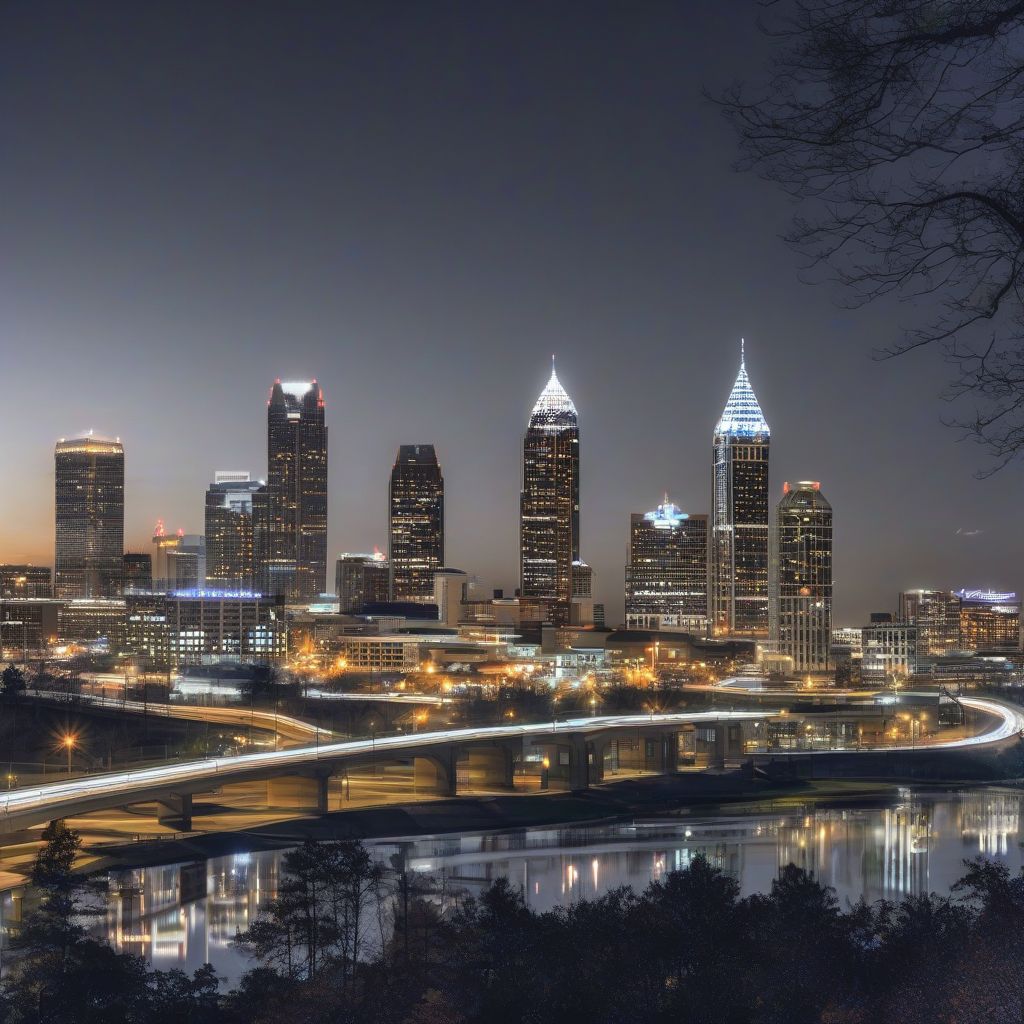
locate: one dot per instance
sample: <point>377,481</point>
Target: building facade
<point>989,621</point>
<point>739,548</point>
<point>198,627</point>
<point>549,505</point>
<point>138,572</point>
<point>290,512</point>
<point>936,613</point>
<point>801,585</point>
<point>230,551</point>
<point>25,581</point>
<point>27,625</point>
<point>361,579</point>
<point>179,559</point>
<point>667,573</point>
<point>415,523</point>
<point>889,652</point>
<point>89,514</point>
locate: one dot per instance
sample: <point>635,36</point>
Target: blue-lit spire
<point>554,404</point>
<point>742,416</point>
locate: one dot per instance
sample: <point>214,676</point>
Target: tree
<point>12,681</point>
<point>897,126</point>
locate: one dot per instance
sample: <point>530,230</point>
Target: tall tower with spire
<point>739,542</point>
<point>549,504</point>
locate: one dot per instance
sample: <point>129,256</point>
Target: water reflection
<point>187,914</point>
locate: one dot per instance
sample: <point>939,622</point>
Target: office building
<point>989,621</point>
<point>359,580</point>
<point>667,573</point>
<point>25,581</point>
<point>87,620</point>
<point>549,505</point>
<point>230,552</point>
<point>451,592</point>
<point>290,512</point>
<point>415,523</point>
<point>582,581</point>
<point>936,613</point>
<point>801,605</point>
<point>203,627</point>
<point>179,560</point>
<point>889,653</point>
<point>89,500</point>
<point>739,517</point>
<point>27,625</point>
<point>138,572</point>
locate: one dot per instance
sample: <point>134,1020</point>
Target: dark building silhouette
<point>25,581</point>
<point>290,512</point>
<point>359,580</point>
<point>739,516</point>
<point>549,504</point>
<point>415,523</point>
<point>801,605</point>
<point>138,572</point>
<point>667,574</point>
<point>89,500</point>
<point>230,543</point>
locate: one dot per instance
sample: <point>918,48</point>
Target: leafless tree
<point>897,126</point>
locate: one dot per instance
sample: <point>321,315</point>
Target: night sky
<point>417,203</point>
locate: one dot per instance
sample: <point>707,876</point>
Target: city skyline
<point>624,244</point>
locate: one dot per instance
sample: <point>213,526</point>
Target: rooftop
<point>742,416</point>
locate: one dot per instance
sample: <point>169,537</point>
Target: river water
<point>185,915</point>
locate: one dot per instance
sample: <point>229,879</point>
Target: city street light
<point>69,742</point>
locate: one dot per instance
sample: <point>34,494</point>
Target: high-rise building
<point>739,516</point>
<point>989,621</point>
<point>360,580</point>
<point>25,581</point>
<point>549,504</point>
<point>138,572</point>
<point>667,574</point>
<point>801,592</point>
<point>415,523</point>
<point>89,492</point>
<point>936,613</point>
<point>290,513</point>
<point>179,560</point>
<point>230,559</point>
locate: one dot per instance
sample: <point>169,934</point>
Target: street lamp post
<point>69,745</point>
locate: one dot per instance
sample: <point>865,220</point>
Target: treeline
<point>347,940</point>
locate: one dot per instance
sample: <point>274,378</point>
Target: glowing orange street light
<point>68,742</point>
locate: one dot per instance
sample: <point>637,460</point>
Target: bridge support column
<point>300,791</point>
<point>175,811</point>
<point>579,769</point>
<point>437,771</point>
<point>491,766</point>
<point>721,745</point>
<point>670,753</point>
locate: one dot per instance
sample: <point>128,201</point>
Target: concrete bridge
<point>571,753</point>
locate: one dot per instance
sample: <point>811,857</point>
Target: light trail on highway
<point>192,776</point>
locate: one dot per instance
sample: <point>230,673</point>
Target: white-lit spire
<point>554,402</point>
<point>742,416</point>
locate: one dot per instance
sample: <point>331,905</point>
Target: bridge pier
<point>579,767</point>
<point>437,771</point>
<point>304,791</point>
<point>175,811</point>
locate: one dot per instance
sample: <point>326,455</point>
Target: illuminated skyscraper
<point>667,574</point>
<point>230,559</point>
<point>290,513</point>
<point>739,516</point>
<point>801,605</point>
<point>415,523</point>
<point>936,613</point>
<point>89,494</point>
<point>549,505</point>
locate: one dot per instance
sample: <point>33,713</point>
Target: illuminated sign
<point>986,596</point>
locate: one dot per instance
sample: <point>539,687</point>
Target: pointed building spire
<point>554,404</point>
<point>742,416</point>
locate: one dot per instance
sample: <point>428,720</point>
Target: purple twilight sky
<point>417,204</point>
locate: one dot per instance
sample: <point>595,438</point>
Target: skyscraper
<point>361,579</point>
<point>801,606</point>
<point>667,574</point>
<point>290,513</point>
<point>549,504</point>
<point>739,516</point>
<point>415,523</point>
<point>936,613</point>
<point>230,560</point>
<point>89,497</point>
